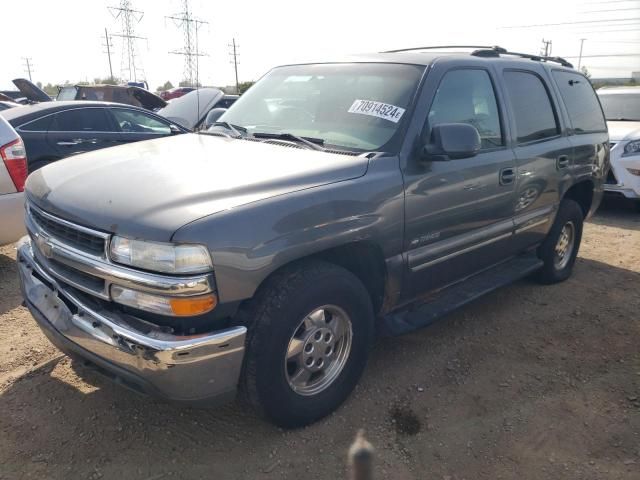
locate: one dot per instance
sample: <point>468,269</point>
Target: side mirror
<point>452,141</point>
<point>213,116</point>
<point>174,129</point>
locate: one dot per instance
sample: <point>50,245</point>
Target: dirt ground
<point>530,382</point>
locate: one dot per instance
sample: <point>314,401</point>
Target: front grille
<point>71,236</point>
<point>611,178</point>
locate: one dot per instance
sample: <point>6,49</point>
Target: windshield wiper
<point>236,129</point>
<point>311,142</point>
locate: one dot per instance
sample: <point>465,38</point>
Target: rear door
<point>459,212</point>
<point>134,125</point>
<point>542,149</point>
<point>80,130</point>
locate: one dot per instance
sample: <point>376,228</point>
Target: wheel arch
<point>582,193</point>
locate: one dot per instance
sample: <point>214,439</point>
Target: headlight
<point>632,148</point>
<point>160,257</point>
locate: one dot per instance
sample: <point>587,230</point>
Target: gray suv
<point>332,202</point>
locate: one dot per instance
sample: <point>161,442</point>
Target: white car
<point>13,173</point>
<point>621,107</point>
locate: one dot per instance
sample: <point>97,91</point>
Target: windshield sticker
<point>377,109</point>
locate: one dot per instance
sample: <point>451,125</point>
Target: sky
<point>65,41</point>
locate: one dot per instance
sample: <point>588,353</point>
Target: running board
<point>442,302</point>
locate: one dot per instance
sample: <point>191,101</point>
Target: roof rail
<point>489,51</point>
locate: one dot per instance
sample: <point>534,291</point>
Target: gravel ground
<point>529,382</point>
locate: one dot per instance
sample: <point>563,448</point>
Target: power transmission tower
<point>109,46</point>
<point>128,19</point>
<point>189,25</point>
<point>234,53</point>
<point>546,47</point>
<point>28,66</point>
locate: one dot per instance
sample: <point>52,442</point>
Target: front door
<point>80,130</point>
<point>459,212</point>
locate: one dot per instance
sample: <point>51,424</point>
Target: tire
<point>569,221</point>
<point>281,311</point>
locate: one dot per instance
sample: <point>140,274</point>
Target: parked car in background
<point>192,109</point>
<point>621,107</point>
<point>7,104</point>
<point>176,92</point>
<point>13,174</point>
<point>128,95</point>
<point>381,193</point>
<point>55,130</point>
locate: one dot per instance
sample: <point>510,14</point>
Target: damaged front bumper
<point>199,369</point>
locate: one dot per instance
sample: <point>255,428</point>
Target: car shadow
<point>10,295</point>
<point>617,212</point>
<point>63,415</point>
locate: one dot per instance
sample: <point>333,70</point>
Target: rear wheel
<point>560,248</point>
<point>310,331</point>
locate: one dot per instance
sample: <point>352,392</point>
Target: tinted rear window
<point>534,114</point>
<point>81,120</point>
<point>40,125</point>
<point>582,104</point>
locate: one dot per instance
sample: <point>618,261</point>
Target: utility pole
<point>128,19</point>
<point>546,47</point>
<point>580,56</point>
<point>28,66</point>
<point>189,25</point>
<point>108,45</point>
<point>234,53</point>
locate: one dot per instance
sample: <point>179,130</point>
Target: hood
<point>135,96</point>
<point>31,91</point>
<point>619,131</point>
<point>191,109</point>
<point>148,100</point>
<point>150,189</point>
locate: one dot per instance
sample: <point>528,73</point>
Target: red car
<point>175,92</point>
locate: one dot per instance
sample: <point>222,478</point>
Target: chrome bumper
<point>194,369</point>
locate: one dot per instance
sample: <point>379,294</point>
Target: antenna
<point>189,25</point>
<point>128,19</point>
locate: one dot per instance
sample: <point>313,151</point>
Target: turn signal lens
<point>170,306</point>
<point>191,306</point>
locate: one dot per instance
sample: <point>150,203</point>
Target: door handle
<point>507,176</point>
<point>68,143</point>
<point>562,162</point>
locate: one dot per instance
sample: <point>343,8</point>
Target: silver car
<point>13,173</point>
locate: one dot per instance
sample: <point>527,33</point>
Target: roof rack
<point>490,51</point>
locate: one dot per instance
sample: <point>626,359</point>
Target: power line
<point>109,46</point>
<point>28,66</point>
<point>129,17</point>
<point>605,56</point>
<point>573,23</point>
<point>190,50</point>
<point>235,54</point>
<point>610,10</point>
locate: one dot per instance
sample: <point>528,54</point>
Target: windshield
<point>618,106</point>
<point>355,106</point>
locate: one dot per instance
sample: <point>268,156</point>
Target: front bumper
<point>623,182</point>
<point>200,369</point>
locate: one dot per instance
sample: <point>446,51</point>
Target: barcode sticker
<point>385,111</point>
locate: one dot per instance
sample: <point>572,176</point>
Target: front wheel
<point>310,331</point>
<point>560,248</point>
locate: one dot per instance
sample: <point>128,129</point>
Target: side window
<point>138,122</point>
<point>534,115</point>
<point>467,96</point>
<point>584,110</point>
<point>81,120</point>
<point>42,124</point>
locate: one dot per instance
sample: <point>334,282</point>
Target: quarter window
<point>81,120</point>
<point>467,96</point>
<point>137,122</point>
<point>584,110</point>
<point>534,115</point>
<point>40,125</point>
